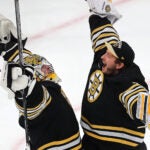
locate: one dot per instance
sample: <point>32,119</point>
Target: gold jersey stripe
<point>142,106</point>
<point>130,88</point>
<point>44,99</point>
<point>112,128</point>
<point>102,36</point>
<point>132,94</point>
<point>148,103</point>
<point>121,141</point>
<point>131,106</point>
<point>56,143</point>
<point>102,46</point>
<point>100,28</point>
<point>36,113</point>
<point>77,147</point>
<point>17,53</point>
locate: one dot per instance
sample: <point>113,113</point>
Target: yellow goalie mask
<point>43,69</point>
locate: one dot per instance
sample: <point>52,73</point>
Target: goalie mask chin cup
<point>46,72</point>
<point>52,76</point>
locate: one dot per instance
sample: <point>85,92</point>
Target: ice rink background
<point>59,31</point>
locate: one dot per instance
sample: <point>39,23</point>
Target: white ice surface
<point>59,31</point>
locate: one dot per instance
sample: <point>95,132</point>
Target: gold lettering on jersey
<point>95,86</point>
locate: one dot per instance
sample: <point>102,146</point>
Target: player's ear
<point>119,65</point>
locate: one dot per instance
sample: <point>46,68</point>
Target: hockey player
<point>51,120</point>
<point>116,102</point>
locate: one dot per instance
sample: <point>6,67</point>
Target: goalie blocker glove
<point>14,79</point>
<point>7,29</point>
<point>104,8</point>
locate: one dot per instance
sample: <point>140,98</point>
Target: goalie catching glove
<point>14,78</point>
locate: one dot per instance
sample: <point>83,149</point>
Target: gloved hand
<point>104,8</point>
<point>6,27</point>
<point>15,78</point>
<point>8,35</point>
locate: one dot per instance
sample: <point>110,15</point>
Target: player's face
<point>110,64</point>
<point>45,69</point>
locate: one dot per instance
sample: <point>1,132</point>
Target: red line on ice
<point>64,25</point>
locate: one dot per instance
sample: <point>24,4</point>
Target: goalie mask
<point>43,69</point>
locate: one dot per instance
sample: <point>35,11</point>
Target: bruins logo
<point>95,86</point>
<point>107,8</point>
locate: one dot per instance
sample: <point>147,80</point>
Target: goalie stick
<point>20,48</point>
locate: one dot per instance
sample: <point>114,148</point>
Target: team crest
<point>107,8</point>
<point>95,86</point>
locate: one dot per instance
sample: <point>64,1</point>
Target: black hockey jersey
<point>52,122</point>
<point>109,102</point>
